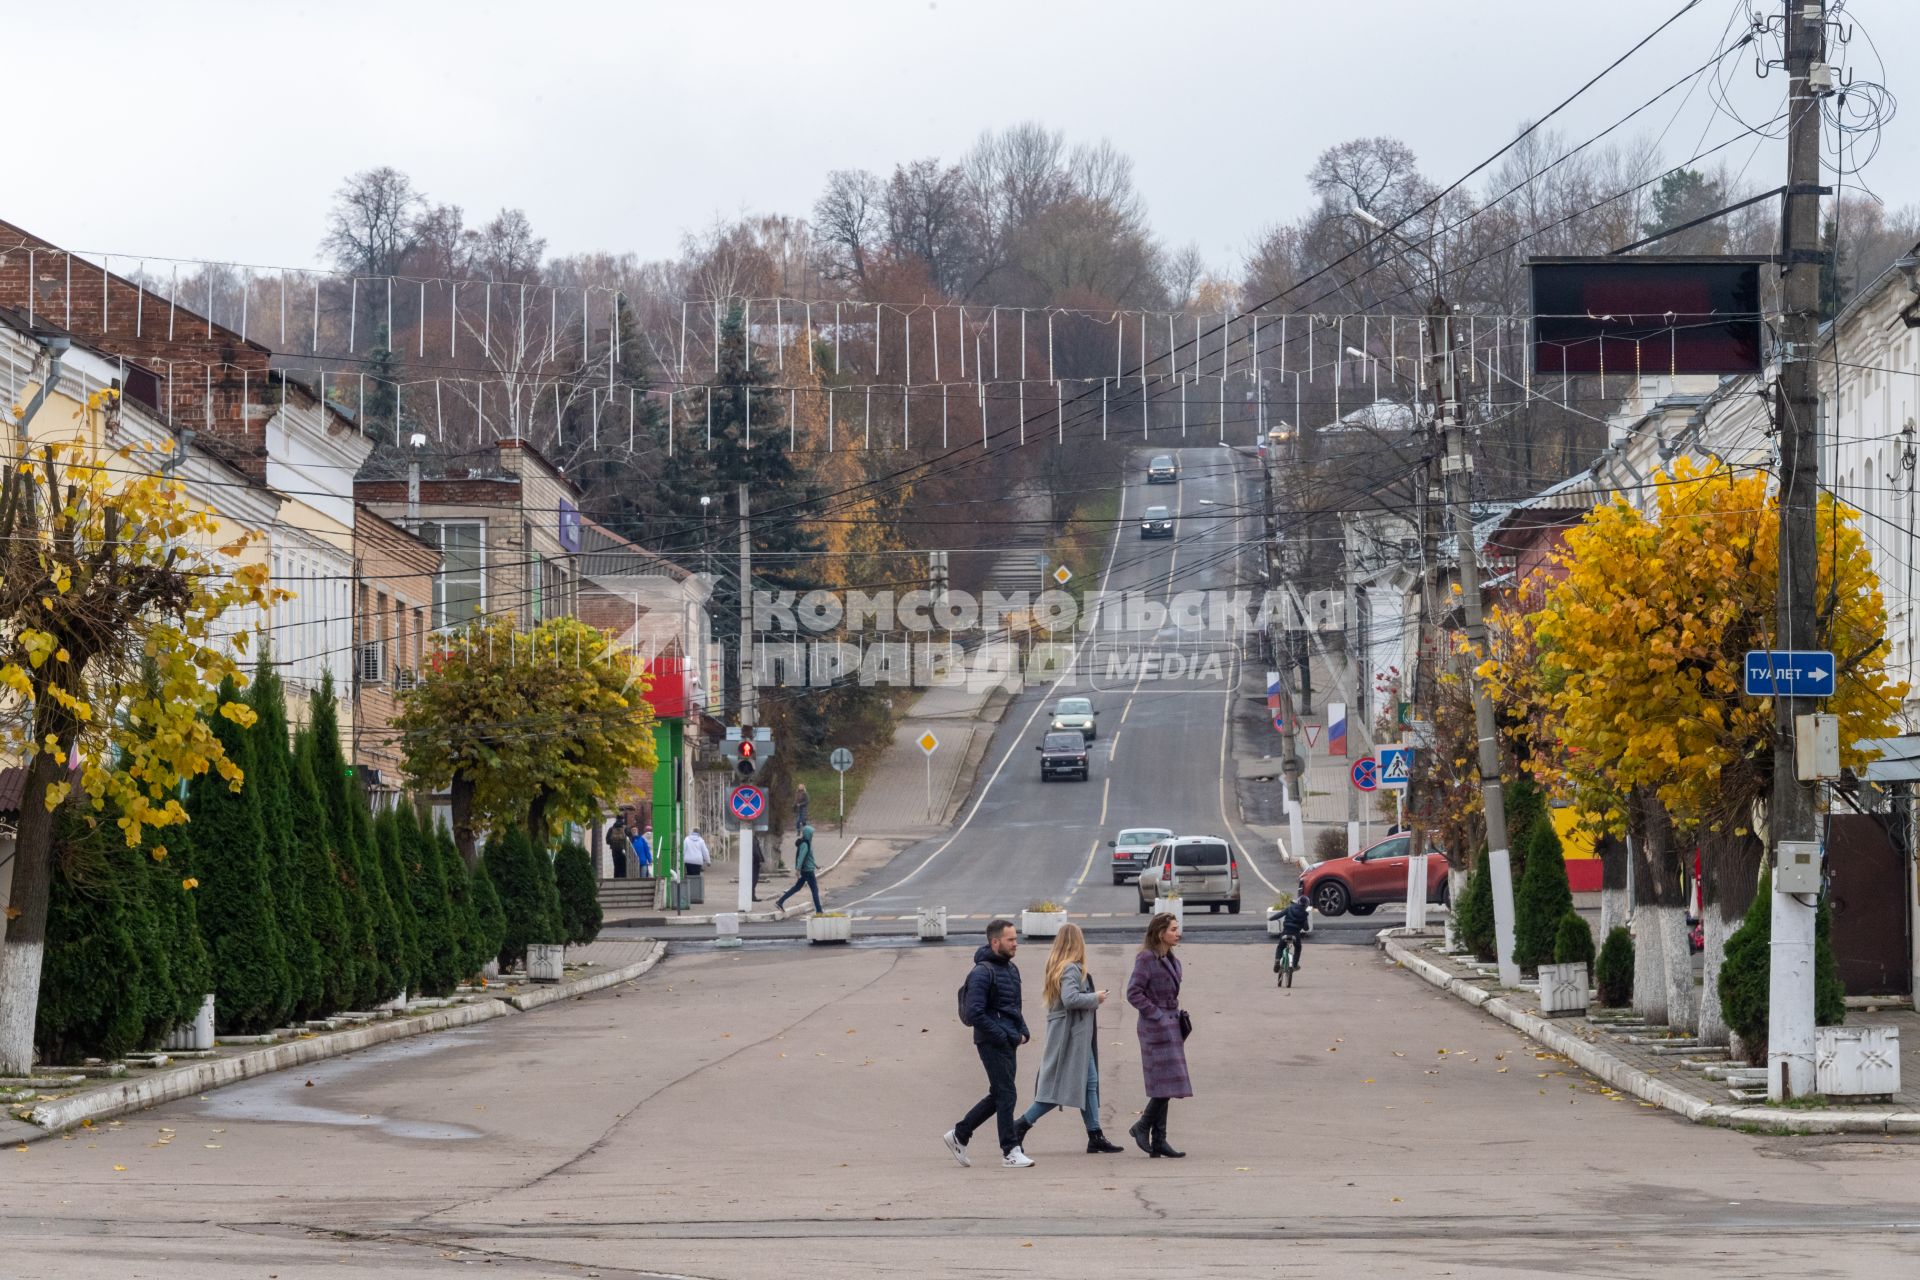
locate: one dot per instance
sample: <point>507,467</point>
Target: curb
<point>751,917</point>
<point>53,1118</point>
<point>1633,1080</point>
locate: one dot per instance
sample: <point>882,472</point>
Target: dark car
<point>1163,470</point>
<point>1157,523</point>
<point>1063,755</point>
<point>1370,878</point>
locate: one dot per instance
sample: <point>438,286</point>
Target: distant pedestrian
<point>617,846</point>
<point>801,803</point>
<point>803,863</point>
<point>1294,922</point>
<point>759,865</point>
<point>694,854</point>
<point>1070,1069</point>
<point>642,854</point>
<point>990,1004</point>
<point>1154,989</point>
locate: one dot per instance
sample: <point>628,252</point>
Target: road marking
<point>1128,709</point>
<point>1106,786</point>
<point>1019,739</point>
<point>1086,870</point>
<point>1113,753</point>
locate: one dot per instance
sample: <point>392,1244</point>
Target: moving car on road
<point>1157,523</point>
<point>1063,755</point>
<point>1203,868</point>
<point>1163,470</point>
<point>1131,848</point>
<point>1076,715</point>
<point>1369,878</point>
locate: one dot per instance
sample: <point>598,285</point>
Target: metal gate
<point>1869,896</point>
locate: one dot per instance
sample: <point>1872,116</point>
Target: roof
<point>1899,758</point>
<point>13,784</point>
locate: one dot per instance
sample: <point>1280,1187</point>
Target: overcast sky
<point>619,126</point>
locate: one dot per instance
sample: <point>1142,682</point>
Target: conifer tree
<point>301,925</point>
<point>490,918</point>
<point>1543,898</point>
<point>579,894</point>
<point>355,847</point>
<point>434,943</point>
<point>395,871</point>
<point>355,969</point>
<point>463,920</point>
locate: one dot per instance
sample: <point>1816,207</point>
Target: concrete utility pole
<point>1419,803</point>
<point>1292,767</point>
<point>1456,464</point>
<point>748,697</point>
<point>1350,633</point>
<point>1792,812</point>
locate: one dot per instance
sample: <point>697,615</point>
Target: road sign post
<point>929,744</point>
<point>842,760</point>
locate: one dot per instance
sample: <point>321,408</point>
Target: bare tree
<point>851,224</point>
<point>374,222</point>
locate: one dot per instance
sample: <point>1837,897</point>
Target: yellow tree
<point>108,573</point>
<point>527,728</point>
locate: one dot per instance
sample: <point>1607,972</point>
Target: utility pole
<point>1792,809</point>
<point>1350,633</point>
<point>747,691</point>
<point>1456,465</point>
<point>1293,768</point>
<point>1419,801</point>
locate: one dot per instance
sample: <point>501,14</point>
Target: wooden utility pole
<point>1792,810</point>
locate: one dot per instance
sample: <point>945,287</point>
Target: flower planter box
<point>1041,924</point>
<point>196,1035</point>
<point>398,1004</point>
<point>1852,1062</point>
<point>1171,906</point>
<point>829,928</point>
<point>933,923</point>
<point>546,961</point>
<point>1563,989</point>
<point>491,970</point>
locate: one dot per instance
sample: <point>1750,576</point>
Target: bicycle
<point>1287,961</point>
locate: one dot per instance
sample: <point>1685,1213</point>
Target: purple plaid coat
<point>1154,989</point>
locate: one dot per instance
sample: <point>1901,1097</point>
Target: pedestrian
<point>694,854</point>
<point>990,1004</point>
<point>618,847</point>
<point>801,803</point>
<point>1294,922</point>
<point>642,854</point>
<point>759,865</point>
<point>1070,1069</point>
<point>803,863</point>
<point>1154,989</point>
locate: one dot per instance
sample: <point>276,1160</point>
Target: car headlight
<point>1058,725</point>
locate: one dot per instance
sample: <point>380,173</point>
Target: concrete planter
<point>1041,924</point>
<point>398,1004</point>
<point>491,970</point>
<point>1273,924</point>
<point>933,923</point>
<point>1563,989</point>
<point>727,924</point>
<point>829,928</point>
<point>1174,907</point>
<point>196,1035</point>
<point>1852,1062</point>
<point>546,961</point>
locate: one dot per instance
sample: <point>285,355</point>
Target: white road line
<point>1088,869</point>
<point>1113,554</point>
<point>1128,709</point>
<point>1113,753</point>
<point>1106,786</point>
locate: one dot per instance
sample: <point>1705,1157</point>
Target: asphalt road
<point>1159,759</point>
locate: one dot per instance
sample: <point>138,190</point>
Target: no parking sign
<point>1365,773</point>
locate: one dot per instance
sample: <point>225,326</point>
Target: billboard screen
<point>1656,314</point>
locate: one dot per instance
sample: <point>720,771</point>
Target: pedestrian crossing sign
<point>1396,767</point>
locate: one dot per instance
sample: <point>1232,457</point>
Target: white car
<point>1131,849</point>
<point>1076,715</point>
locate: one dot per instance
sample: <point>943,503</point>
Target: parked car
<point>1157,523</point>
<point>1063,755</point>
<point>1076,715</point>
<point>1203,868</point>
<point>1131,849</point>
<point>1163,470</point>
<point>1373,876</point>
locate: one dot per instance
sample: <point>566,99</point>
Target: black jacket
<point>1294,918</point>
<point>993,1000</point>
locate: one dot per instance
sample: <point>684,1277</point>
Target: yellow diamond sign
<point>928,742</point>
<point>1063,575</point>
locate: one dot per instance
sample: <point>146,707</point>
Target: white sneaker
<point>1016,1159</point>
<point>958,1148</point>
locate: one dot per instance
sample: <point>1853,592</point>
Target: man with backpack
<point>990,1004</point>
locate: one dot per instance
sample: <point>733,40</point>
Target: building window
<point>459,589</point>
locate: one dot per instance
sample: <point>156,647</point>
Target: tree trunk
<point>1649,966</point>
<point>460,793</point>
<point>1713,1023</point>
<point>25,949</point>
<point>1729,874</point>
<point>1614,907</point>
<point>1662,972</point>
<point>1683,1013</point>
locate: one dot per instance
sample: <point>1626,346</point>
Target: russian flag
<point>1337,728</point>
<point>1273,691</point>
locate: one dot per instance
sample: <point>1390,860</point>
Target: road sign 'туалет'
<point>1789,673</point>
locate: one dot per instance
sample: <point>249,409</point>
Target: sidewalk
<point>891,813</point>
<point>1666,1070</point>
<point>56,1099</point>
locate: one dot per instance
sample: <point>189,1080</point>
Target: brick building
<point>393,617</point>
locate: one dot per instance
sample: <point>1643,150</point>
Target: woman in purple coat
<point>1154,989</point>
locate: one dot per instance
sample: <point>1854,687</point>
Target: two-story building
<point>395,572</point>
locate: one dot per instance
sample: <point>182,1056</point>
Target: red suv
<point>1369,878</point>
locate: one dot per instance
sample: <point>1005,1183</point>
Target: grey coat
<point>1070,1036</point>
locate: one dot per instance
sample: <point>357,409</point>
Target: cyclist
<point>1293,929</point>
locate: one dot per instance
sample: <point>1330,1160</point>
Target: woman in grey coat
<point>1070,1069</point>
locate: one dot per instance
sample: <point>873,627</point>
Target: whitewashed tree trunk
<point>19,1003</point>
<point>1683,1013</point>
<point>1713,1023</point>
<point>1649,965</point>
<point>1614,906</point>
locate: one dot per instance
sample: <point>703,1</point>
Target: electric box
<point>1796,867</point>
<point>1816,747</point>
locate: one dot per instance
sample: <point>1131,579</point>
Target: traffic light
<point>746,765</point>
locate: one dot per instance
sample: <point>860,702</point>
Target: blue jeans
<point>1089,1110</point>
<point>813,886</point>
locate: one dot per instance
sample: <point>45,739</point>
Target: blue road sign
<point>747,803</point>
<point>1396,767</point>
<point>1790,673</point>
<point>1365,773</point>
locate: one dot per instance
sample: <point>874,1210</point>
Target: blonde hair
<point>1069,947</point>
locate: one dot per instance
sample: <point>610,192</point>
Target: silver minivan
<point>1204,869</point>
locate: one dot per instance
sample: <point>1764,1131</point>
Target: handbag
<point>1186,1024</point>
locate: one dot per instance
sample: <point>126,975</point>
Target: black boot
<point>1020,1131</point>
<point>1142,1135</point>
<point>1160,1145</point>
<point>1097,1144</point>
